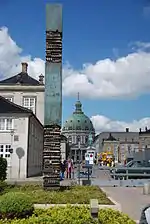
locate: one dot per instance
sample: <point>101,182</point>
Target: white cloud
<point>126,76</point>
<point>141,46</point>
<point>102,123</point>
<point>11,58</point>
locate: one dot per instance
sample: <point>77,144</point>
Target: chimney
<point>127,129</point>
<point>145,128</point>
<point>41,79</point>
<point>140,130</point>
<point>24,67</point>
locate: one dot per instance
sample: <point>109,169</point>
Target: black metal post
<point>88,173</point>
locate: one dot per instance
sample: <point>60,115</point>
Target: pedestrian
<point>113,163</point>
<point>61,175</point>
<point>69,168</point>
<point>63,169</point>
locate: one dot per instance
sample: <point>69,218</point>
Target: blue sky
<point>92,31</point>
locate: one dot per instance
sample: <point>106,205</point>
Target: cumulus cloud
<point>124,77</point>
<point>11,57</point>
<point>102,123</point>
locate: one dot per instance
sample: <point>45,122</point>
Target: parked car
<point>137,167</point>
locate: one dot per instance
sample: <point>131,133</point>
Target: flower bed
<point>72,195</point>
<point>72,215</point>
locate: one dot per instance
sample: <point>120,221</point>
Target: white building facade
<point>27,92</point>
<point>21,140</point>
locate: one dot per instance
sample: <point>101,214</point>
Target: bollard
<point>146,188</point>
<point>94,208</point>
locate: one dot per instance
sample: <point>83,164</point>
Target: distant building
<point>123,144</point>
<point>21,140</point>
<point>77,129</point>
<point>144,138</point>
<point>111,145</point>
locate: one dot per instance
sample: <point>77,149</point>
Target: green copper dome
<point>78,121</point>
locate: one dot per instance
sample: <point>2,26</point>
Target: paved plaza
<point>131,199</point>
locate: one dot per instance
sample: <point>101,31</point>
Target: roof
<point>119,136</point>
<point>110,138</point>
<point>78,121</point>
<point>22,79</point>
<point>91,148</point>
<point>7,107</point>
<point>146,131</point>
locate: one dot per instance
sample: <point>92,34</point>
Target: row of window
<point>6,124</point>
<point>28,102</point>
<point>5,151</point>
<point>76,128</point>
<point>78,121</point>
<point>74,139</point>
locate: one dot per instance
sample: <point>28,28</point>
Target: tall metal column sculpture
<point>53,96</point>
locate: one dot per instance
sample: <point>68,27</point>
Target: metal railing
<point>130,172</point>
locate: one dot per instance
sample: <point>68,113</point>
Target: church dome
<point>78,121</point>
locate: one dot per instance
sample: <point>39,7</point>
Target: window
<point>74,139</point>
<point>29,102</point>
<point>9,98</point>
<point>6,124</point>
<point>5,151</point>
<point>78,128</point>
<point>70,139</point>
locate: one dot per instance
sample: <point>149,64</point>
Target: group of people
<point>66,169</point>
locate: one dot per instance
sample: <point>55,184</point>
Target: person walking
<point>69,168</point>
<point>63,169</point>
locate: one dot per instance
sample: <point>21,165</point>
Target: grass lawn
<point>76,194</point>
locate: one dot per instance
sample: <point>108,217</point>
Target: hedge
<point>72,215</point>
<point>15,204</point>
<point>73,195</point>
<point>3,169</point>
